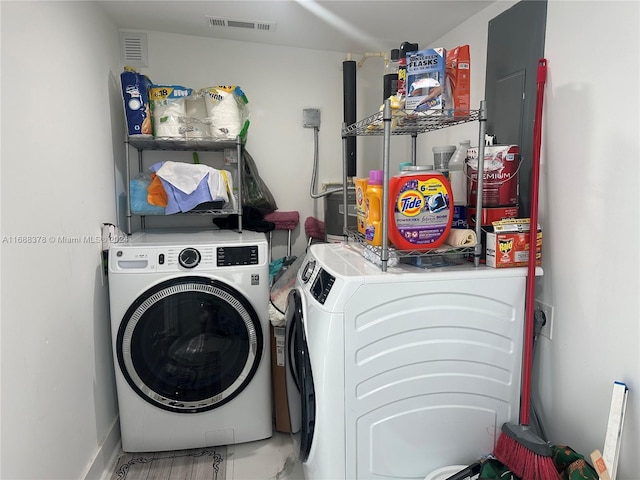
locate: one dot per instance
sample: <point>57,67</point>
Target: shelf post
<point>345,185</point>
<point>414,148</point>
<point>482,118</point>
<point>384,254</point>
<point>143,221</point>
<point>239,179</point>
<point>127,185</point>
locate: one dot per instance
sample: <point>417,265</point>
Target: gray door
<point>515,44</point>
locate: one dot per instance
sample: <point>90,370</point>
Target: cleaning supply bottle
<point>361,189</point>
<point>405,47</point>
<point>373,206</point>
<point>390,78</point>
<point>457,174</point>
<point>420,208</point>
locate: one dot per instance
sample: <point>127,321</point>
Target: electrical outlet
<point>547,330</point>
<point>311,118</point>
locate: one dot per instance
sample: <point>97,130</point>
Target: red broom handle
<point>527,356</point>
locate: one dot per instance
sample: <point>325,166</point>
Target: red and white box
<point>500,179</point>
<point>508,244</point>
<point>458,85</point>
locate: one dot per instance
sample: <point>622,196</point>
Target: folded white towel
<point>461,237</point>
<point>187,176</point>
<point>184,176</point>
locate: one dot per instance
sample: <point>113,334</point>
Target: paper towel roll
<point>461,237</point>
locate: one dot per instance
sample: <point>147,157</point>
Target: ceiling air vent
<point>134,49</point>
<point>236,23</point>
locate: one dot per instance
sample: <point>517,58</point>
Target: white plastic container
<point>445,472</point>
<point>441,156</point>
<point>457,174</point>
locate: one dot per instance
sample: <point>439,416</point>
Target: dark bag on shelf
<point>252,220</point>
<point>255,192</point>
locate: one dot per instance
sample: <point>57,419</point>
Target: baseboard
<point>108,452</point>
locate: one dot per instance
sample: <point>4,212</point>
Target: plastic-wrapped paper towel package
<point>226,111</point>
<point>169,107</point>
<point>219,113</point>
<point>178,112</point>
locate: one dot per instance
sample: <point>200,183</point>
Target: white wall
<point>58,91</point>
<point>589,197</point>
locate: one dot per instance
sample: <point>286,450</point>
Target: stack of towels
<point>188,185</point>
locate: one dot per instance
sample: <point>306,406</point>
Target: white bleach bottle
<point>457,173</point>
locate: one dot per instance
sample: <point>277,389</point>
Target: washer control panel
<point>307,272</point>
<point>231,256</point>
<point>322,285</point>
<point>181,258</point>
<point>170,259</point>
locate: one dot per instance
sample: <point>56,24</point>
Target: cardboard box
<point>508,244</point>
<point>489,215</point>
<point>458,87</point>
<point>278,373</point>
<point>425,80</point>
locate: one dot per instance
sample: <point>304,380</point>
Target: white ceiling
<point>348,26</point>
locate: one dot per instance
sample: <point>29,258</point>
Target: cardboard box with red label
<point>278,373</point>
<point>508,244</point>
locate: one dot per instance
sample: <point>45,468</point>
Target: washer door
<point>297,361</point>
<point>189,344</point>
<point>292,383</point>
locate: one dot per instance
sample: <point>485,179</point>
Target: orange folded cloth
<point>156,194</point>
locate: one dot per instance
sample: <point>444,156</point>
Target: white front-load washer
<point>189,323</point>
<point>401,372</point>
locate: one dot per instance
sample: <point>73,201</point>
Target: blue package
<point>425,80</point>
<point>138,191</point>
<point>135,92</point>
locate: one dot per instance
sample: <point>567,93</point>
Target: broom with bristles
<point>520,449</point>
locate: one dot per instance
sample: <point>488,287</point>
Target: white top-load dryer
<point>401,372</point>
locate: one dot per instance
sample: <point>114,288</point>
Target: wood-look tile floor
<point>194,464</point>
<point>269,459</point>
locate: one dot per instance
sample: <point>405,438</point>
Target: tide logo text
<point>410,203</point>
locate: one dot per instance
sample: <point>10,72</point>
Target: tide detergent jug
<point>420,209</point>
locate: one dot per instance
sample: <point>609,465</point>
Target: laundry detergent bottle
<point>373,208</point>
<point>361,189</point>
<point>420,209</point>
